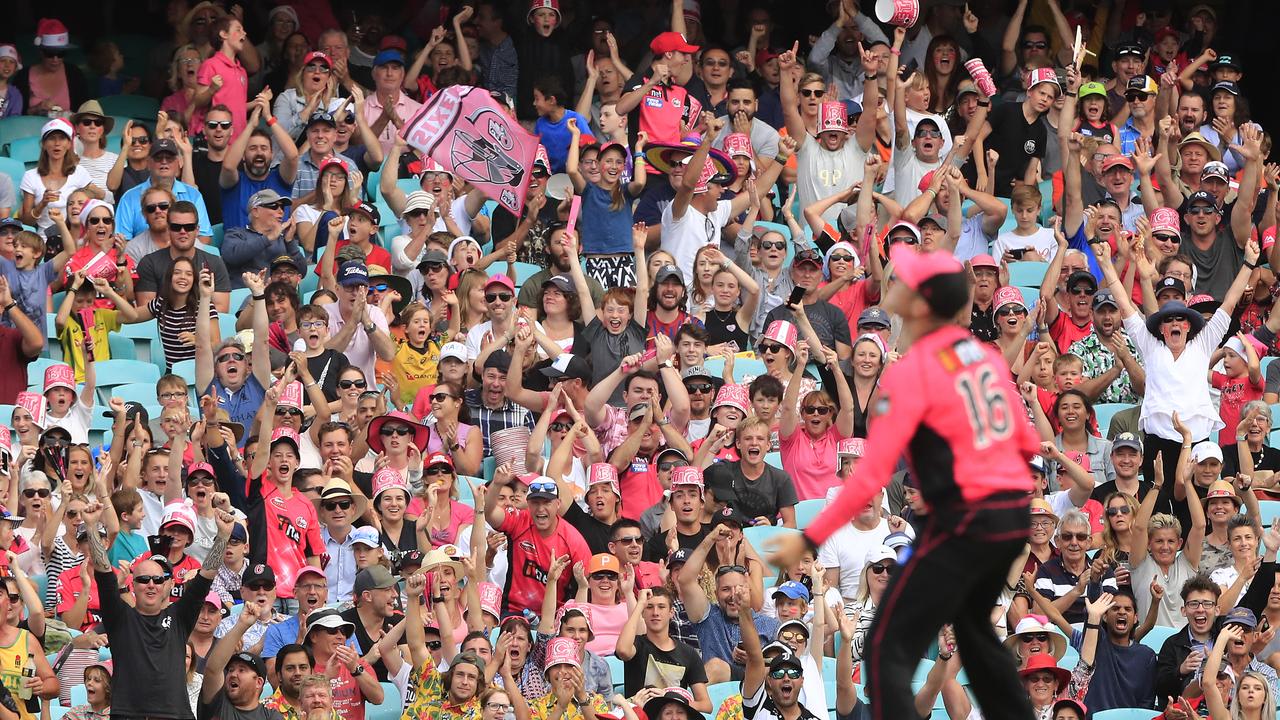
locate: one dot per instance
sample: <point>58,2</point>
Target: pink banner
<point>466,131</point>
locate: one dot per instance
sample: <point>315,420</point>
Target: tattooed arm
<point>214,560</point>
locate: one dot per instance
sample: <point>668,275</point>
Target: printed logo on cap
<point>783,333</point>
<point>1165,220</point>
<point>562,651</point>
<point>59,375</point>
<point>291,396</point>
<point>738,144</point>
<point>833,117</point>
<point>603,473</point>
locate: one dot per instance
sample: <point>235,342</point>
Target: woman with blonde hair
<point>56,175</point>
<point>182,80</point>
<point>1116,538</point>
<point>471,302</point>
<point>311,88</point>
<point>333,195</point>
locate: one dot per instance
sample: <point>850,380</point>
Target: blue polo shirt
<point>241,405</point>
<point>129,219</point>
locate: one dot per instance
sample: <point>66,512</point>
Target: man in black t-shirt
<point>653,658</point>
<point>206,159</point>
<point>233,681</point>
<point>375,593</point>
<point>1015,130</point>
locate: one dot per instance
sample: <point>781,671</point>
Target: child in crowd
<point>29,276</point>
<point>1240,383</point>
<point>1093,120</point>
<point>552,126</point>
<point>1029,240</point>
<point>171,391</point>
<point>64,409</point>
<point>76,314</point>
<point>130,542</point>
<point>766,397</point>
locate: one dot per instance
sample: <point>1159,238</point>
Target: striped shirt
<point>172,323</point>
<point>1054,581</point>
<point>491,421</point>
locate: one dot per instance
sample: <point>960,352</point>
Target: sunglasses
<point>789,672</point>
<point>601,576</point>
<point>389,430</point>
<point>380,287</point>
<point>769,349</point>
<point>433,644</point>
<point>816,410</point>
<point>292,412</point>
<point>261,586</point>
<point>1081,290</point>
<point>1006,312</point>
<point>14,597</point>
<point>231,356</point>
<point>1082,537</point>
<point>929,134</point>
<point>432,267</point>
<point>99,220</point>
<point>218,124</point>
<point>879,569</point>
<point>559,427</point>
<point>773,245</point>
<point>273,206</point>
<point>139,140</point>
<point>348,384</point>
<point>332,505</point>
<point>497,297</point>
<point>630,540</point>
<point>547,487</point>
<point>810,92</point>
<point>1039,637</point>
<point>669,466</point>
<point>441,397</point>
<point>32,492</point>
<point>842,258</point>
<point>1120,510</point>
<point>152,207</point>
<point>201,480</point>
<point>150,579</point>
<point>699,388</point>
<point>1202,210</point>
<point>317,68</point>
<point>331,631</point>
<point>91,122</point>
<point>54,53</point>
<point>183,227</point>
<point>715,63</point>
<point>905,239</point>
<point>440,470</point>
<point>726,569</point>
<point>1137,96</point>
<point>73,514</point>
<point>1035,45</point>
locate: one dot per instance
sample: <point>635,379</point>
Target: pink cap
<point>491,599</point>
<point>334,161</point>
<point>213,599</point>
<point>6,440</point>
<point>738,144</point>
<point>180,513</point>
<point>34,404</point>
<point>430,165</point>
<point>602,473</point>
<point>874,339</point>
<point>983,260</point>
<point>59,375</point>
<point>850,447</point>
<point>1007,295</point>
<point>582,609</point>
<point>783,333</point>
<point>686,475</point>
<point>284,433</point>
<point>308,570</point>
<point>833,117</point>
<point>291,395</point>
<point>1041,75</point>
<point>734,396</point>
<point>704,177</point>
<point>914,268</point>
<point>1201,298</point>
<point>389,478</point>
<point>203,467</point>
<point>561,651</point>
<point>1164,221</point>
<point>501,279</point>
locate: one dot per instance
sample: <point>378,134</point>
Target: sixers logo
<point>300,522</point>
<point>259,569</point>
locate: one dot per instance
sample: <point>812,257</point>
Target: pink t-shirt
<point>234,92</point>
<point>606,623</point>
<point>811,462</point>
<point>1236,393</point>
<point>459,514</point>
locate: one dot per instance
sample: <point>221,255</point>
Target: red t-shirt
<point>855,298</point>
<point>1236,393</point>
<point>70,587</point>
<point>293,535</point>
<point>530,561</point>
<point>640,488</point>
<point>951,407</point>
<point>348,699</point>
<point>1065,332</point>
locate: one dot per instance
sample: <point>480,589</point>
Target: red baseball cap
<point>671,41</point>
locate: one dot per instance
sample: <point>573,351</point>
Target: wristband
<point>638,157</point>
<point>870,77</point>
<point>310,384</point>
<point>271,121</point>
<point>1093,626</point>
<point>895,51</point>
<point>10,306</point>
<point>1071,94</point>
<point>1251,266</point>
<point>984,103</point>
<point>263,296</point>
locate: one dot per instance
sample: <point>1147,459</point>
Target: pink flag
<point>465,129</point>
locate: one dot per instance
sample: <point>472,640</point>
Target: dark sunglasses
<point>260,586</point>
<point>604,576</point>
<point>905,239</point>
<point>773,244</point>
<point>273,206</point>
<point>99,220</point>
<point>73,514</point>
<point>218,124</point>
<point>139,140</point>
<point>91,122</point>
<point>1137,96</point>
<point>630,540</point>
<point>715,63</point>
<point>434,267</point>
<point>438,470</point>
<point>669,465</point>
<point>559,427</point>
<point>726,569</point>
<point>150,579</point>
<point>433,644</point>
<point>816,410</point>
<point>1202,210</point>
<point>332,505</point>
<point>1040,637</point>
<point>1082,537</point>
<point>769,348</point>
<point>841,257</point>
<point>441,397</point>
<point>292,412</point>
<point>348,384</point>
<point>1006,312</point>
<point>878,569</point>
<point>1035,45</point>
<point>183,227</point>
<point>811,92</point>
<point>389,430</point>
<point>1081,290</point>
<point>1121,510</point>
<point>13,597</point>
<point>54,53</point>
<point>201,480</point>
<point>152,207</point>
<point>231,356</point>
<point>32,492</point>
<point>317,67</point>
<point>699,388</point>
<point>495,297</point>
<point>792,673</point>
<point>929,134</point>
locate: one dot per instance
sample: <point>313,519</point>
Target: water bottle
<point>28,671</point>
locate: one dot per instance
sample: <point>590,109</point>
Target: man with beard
<point>1124,669</point>
<point>156,202</point>
<point>558,255</point>
<point>835,54</point>
<point>375,593</point>
<point>149,638</point>
<point>741,106</point>
<point>667,301</point>
<point>1191,113</point>
<point>165,164</point>
<point>1217,253</point>
<point>1111,368</point>
<point>294,662</point>
<point>246,167</point>
<point>206,160</point>
<point>1140,94</point>
<point>183,224</point>
<point>535,536</point>
<point>611,422</point>
<point>251,249</point>
<point>233,681</point>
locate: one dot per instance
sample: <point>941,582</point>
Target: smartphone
<point>907,70</point>
<point>797,294</point>
<point>1017,254</point>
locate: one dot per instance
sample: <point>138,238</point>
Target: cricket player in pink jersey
<point>951,407</point>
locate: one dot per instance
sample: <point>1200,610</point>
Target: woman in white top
<point>1176,344</point>
<point>334,193</point>
<point>56,175</point>
<point>871,586</point>
<point>92,127</point>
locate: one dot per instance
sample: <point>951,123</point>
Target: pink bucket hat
<point>734,396</point>
<point>782,332</point>
<point>1007,295</point>
<point>738,145</point>
<point>291,395</point>
<point>1164,221</point>
<point>562,651</point>
<point>59,375</point>
<point>491,599</point>
<point>34,404</point>
<point>389,479</point>
<point>833,117</point>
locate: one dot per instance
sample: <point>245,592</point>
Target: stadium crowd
<point>306,426</point>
